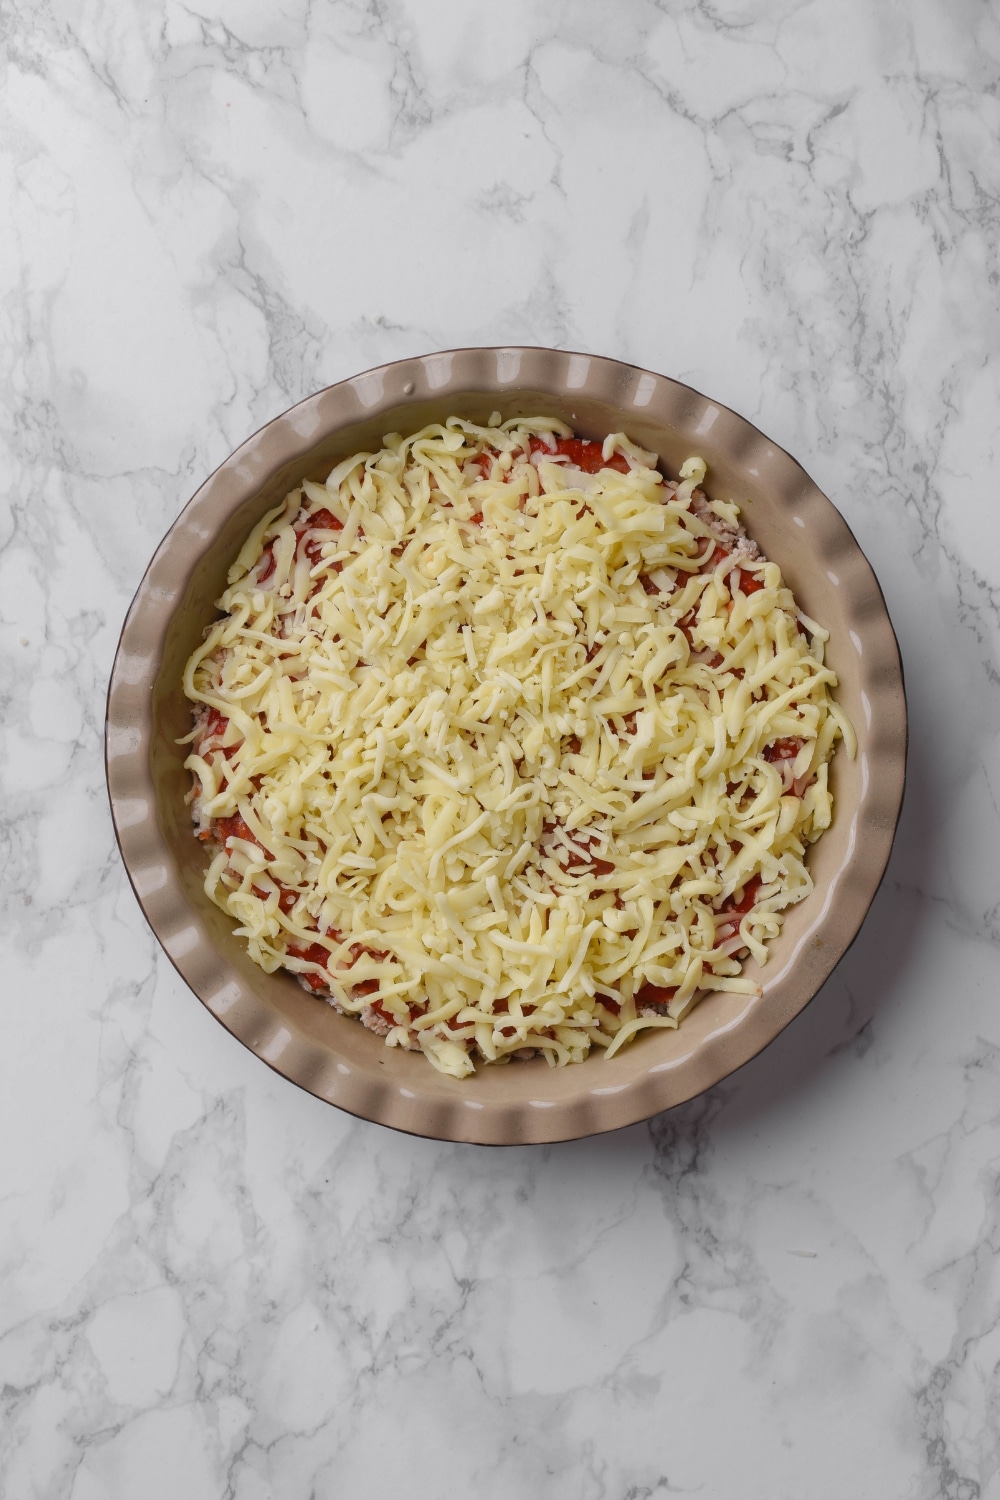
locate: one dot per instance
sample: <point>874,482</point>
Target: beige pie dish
<point>333,1056</point>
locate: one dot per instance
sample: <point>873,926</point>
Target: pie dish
<point>306,1041</point>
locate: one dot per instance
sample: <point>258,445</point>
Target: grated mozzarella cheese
<point>507,744</point>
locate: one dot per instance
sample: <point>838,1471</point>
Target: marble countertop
<point>211,1284</point>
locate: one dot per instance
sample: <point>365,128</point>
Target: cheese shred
<point>508,745</point>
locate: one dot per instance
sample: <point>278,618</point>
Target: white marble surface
<point>211,1285</point>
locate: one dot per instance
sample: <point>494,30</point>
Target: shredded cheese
<point>508,745</point>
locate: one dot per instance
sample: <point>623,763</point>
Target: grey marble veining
<point>213,1285</point>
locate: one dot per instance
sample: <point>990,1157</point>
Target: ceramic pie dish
<point>331,1055</point>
